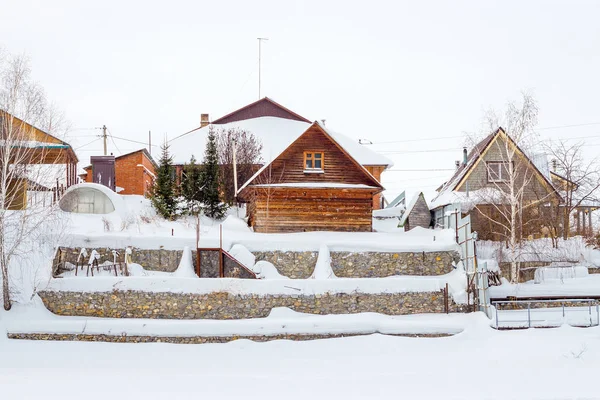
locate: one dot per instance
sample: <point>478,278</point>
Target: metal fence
<point>526,316</point>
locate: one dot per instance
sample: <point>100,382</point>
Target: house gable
<point>493,149</point>
<point>264,107</point>
<point>338,166</point>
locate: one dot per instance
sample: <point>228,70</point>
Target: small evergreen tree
<point>213,207</point>
<point>163,192</point>
<point>191,187</point>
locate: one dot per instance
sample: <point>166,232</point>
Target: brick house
<point>134,172</point>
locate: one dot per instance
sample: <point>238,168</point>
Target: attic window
<point>313,161</point>
<point>497,171</point>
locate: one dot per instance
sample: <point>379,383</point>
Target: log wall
<point>303,210</point>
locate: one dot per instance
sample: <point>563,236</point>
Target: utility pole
<point>260,40</point>
<point>235,186</point>
<point>104,137</point>
<point>150,142</point>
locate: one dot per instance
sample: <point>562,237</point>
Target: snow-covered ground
<point>585,286</point>
<point>583,316</point>
<point>572,249</point>
<point>478,363</point>
<point>134,223</point>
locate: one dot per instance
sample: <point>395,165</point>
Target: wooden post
<point>446,308</point>
<point>198,258</point>
<point>221,251</point>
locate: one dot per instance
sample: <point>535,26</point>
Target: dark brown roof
<point>471,158</point>
<point>474,155</point>
<point>264,107</point>
<point>144,150</point>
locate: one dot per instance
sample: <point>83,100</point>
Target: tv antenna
<point>260,40</point>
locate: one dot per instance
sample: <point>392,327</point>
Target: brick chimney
<point>203,120</point>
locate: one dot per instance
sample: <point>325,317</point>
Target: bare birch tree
<point>505,197</point>
<point>23,106</point>
<point>579,179</point>
<point>248,158</point>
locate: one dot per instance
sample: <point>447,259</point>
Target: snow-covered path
<point>476,364</point>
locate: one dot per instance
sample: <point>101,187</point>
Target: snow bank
<point>585,286</point>
<point>186,266</point>
<point>323,267</point>
<point>280,321</point>
<point>243,255</point>
<point>545,274</point>
<point>397,284</point>
<point>266,270</point>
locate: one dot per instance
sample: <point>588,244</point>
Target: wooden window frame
<point>501,178</point>
<point>312,153</point>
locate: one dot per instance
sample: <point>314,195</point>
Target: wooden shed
<point>416,214</point>
<point>314,184</point>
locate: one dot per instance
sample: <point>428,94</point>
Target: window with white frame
<point>497,171</point>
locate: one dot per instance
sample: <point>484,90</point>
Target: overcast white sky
<point>387,71</point>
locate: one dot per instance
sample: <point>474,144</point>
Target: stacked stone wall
<point>224,305</point>
<point>195,339</point>
<point>293,264</point>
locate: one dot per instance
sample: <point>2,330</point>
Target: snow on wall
<point>545,274</point>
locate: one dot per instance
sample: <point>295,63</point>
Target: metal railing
<point>554,316</point>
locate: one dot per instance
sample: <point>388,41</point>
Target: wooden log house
<point>314,184</point>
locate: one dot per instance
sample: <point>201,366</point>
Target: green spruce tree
<point>213,207</point>
<point>191,187</point>
<point>163,191</point>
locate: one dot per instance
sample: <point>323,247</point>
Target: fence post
<point>597,315</point>
<point>446,306</point>
<point>590,311</point>
<point>496,315</point>
<point>529,315</point>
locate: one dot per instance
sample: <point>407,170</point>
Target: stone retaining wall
<point>151,260</point>
<point>223,305</point>
<point>300,265</point>
<point>194,339</point>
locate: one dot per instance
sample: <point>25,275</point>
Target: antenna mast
<point>260,40</point>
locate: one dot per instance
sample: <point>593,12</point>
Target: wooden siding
<point>16,198</point>
<point>338,166</point>
<point>302,210</point>
<point>376,171</point>
<point>478,179</point>
<point>419,215</point>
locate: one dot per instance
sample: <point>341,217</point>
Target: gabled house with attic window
<point>310,178</point>
<point>481,184</point>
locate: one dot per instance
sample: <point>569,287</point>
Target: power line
<point>416,140</point>
<point>568,126</point>
<point>113,140</point>
<point>421,151</point>
<point>420,170</point>
<point>87,144</point>
<point>133,141</point>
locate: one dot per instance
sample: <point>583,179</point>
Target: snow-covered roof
<point>334,138</point>
<point>318,185</point>
<point>399,200</point>
<point>276,134</point>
